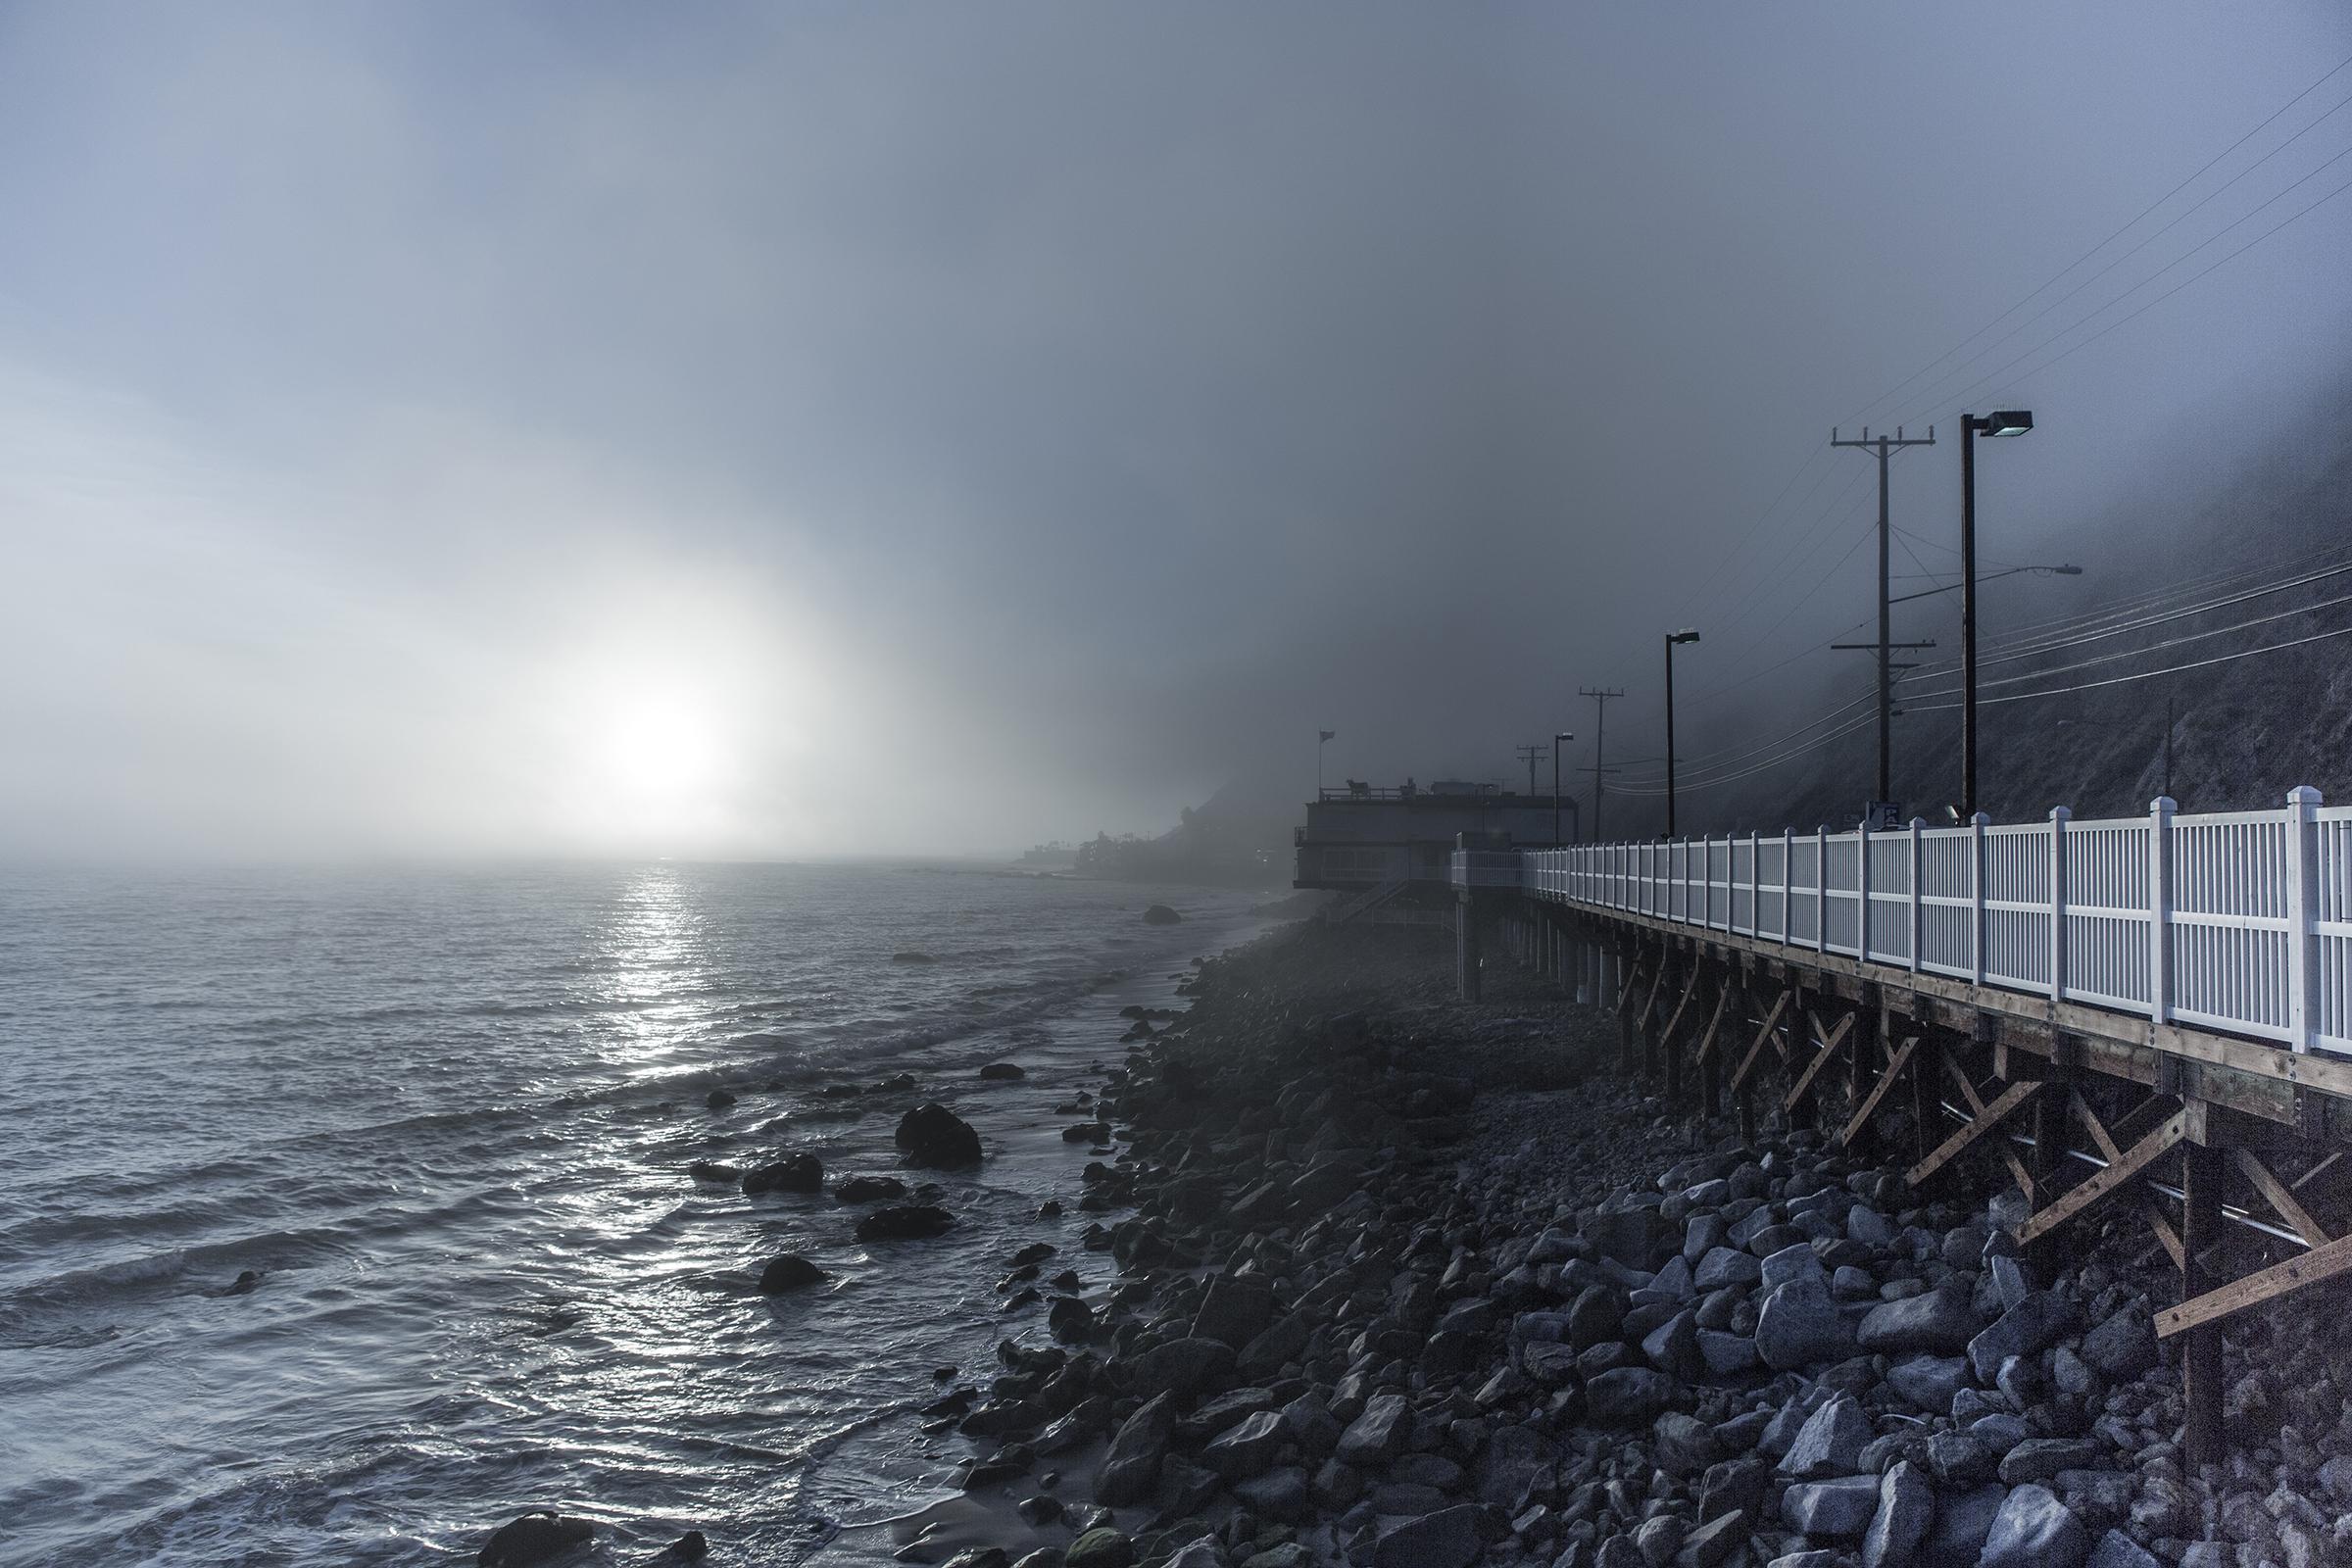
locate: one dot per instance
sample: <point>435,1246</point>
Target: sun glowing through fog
<point>659,747</point>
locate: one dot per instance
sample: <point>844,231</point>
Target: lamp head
<point>1686,635</point>
<point>2006,422</point>
<point>2066,571</point>
<point>1565,735</point>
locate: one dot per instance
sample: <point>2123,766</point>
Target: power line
<point>1856,417</point>
<point>2148,675</point>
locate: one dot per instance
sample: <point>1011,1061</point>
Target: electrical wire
<point>2145,674</point>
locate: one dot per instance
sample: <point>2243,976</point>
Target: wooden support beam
<point>2166,1236</point>
<point>1689,991</point>
<point>1989,1117</point>
<point>1927,1111</point>
<point>1770,1021</point>
<point>1886,1080</point>
<point>2108,1148</point>
<point>1974,1102</point>
<point>2275,1192</point>
<point>2136,1159</point>
<point>1821,1059</point>
<point>2201,1352</point>
<point>1706,1042</point>
<point>2323,1262</point>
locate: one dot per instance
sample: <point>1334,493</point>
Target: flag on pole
<point>1327,733</point>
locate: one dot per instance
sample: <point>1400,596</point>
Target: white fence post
<point>1919,928</point>
<point>2059,816</point>
<point>1979,928</point>
<point>1787,880</point>
<point>1862,880</point>
<point>2302,917</point>
<point>1755,884</point>
<point>2160,908</point>
<point>1821,887</point>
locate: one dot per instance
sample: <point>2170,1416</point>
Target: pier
<point>2148,1018</point>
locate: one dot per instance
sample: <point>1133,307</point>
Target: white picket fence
<point>2239,921</point>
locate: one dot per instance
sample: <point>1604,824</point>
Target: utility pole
<point>1883,446</point>
<point>1527,754</point>
<point>1600,733</point>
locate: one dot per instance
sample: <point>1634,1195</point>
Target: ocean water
<point>446,1115</point>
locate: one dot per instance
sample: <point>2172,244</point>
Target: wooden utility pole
<point>1601,731</point>
<point>1884,446</point>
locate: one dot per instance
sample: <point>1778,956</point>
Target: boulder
<point>713,1170</point>
<point>2119,1551</point>
<point>794,1173</point>
<point>1937,1323</point>
<point>1906,1510</point>
<point>1248,1448</point>
<point>789,1272</point>
<point>1235,1310</point>
<point>2123,1346</point>
<point>1182,1367</point>
<point>1379,1435</point>
<point>1003,1072</point>
<point>1799,1327</point>
<point>1628,1395</point>
<point>1103,1548</point>
<point>1450,1537</point>
<point>1830,1443</point>
<point>1832,1509</point>
<point>1161,914</point>
<point>869,1189</point>
<point>1131,1465</point>
<point>2035,1529</point>
<point>1962,1522</point>
<point>2028,1328</point>
<point>535,1538</point>
<point>904,1222</point>
<point>1929,1381</point>
<point>1280,1493</point>
<point>932,1134</point>
<point>1512,1461</point>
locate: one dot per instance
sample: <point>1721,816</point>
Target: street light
<point>1686,635</point>
<point>1563,735</point>
<point>2002,422</point>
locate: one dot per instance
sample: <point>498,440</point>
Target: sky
<point>800,430</point>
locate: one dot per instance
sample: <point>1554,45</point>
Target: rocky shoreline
<point>1407,1283</point>
<point>1400,1288</point>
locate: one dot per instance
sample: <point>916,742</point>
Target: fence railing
<point>2239,921</point>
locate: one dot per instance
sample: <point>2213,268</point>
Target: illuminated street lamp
<point>1686,635</point>
<point>2004,421</point>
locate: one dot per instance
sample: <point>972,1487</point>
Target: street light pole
<point>2008,421</point>
<point>1563,735</point>
<point>1684,636</point>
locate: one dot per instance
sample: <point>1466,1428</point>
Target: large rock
<point>1100,1547</point>
<point>1832,1509</point>
<point>1628,1395</point>
<point>1237,1310</point>
<point>905,1222</point>
<point>1830,1443</point>
<point>933,1135</point>
<point>1939,1322</point>
<point>1929,1381</point>
<point>2119,1551</point>
<point>1281,1494</point>
<point>2123,1346</point>
<point>2028,1328</point>
<point>1248,1448</point>
<point>533,1538</point>
<point>1131,1465</point>
<point>789,1272</point>
<point>1726,1265</point>
<point>1379,1435</point>
<point>1161,914</point>
<point>794,1173</point>
<point>1182,1367</point>
<point>1906,1510</point>
<point>869,1190</point>
<point>1963,1520</point>
<point>1673,1347</point>
<point>1450,1537</point>
<point>1513,1459</point>
<point>2035,1529</point>
<point>1799,1327</point>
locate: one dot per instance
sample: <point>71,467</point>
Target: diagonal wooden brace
<point>2136,1159</point>
<point>1829,1047</point>
<point>1974,1102</point>
<point>2166,1236</point>
<point>1706,1042</point>
<point>1764,1036</point>
<point>1878,1091</point>
<point>1682,1006</point>
<point>2108,1148</point>
<point>1992,1117</point>
<point>2323,1262</point>
<point>2276,1193</point>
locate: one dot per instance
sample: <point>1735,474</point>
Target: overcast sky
<point>805,430</point>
